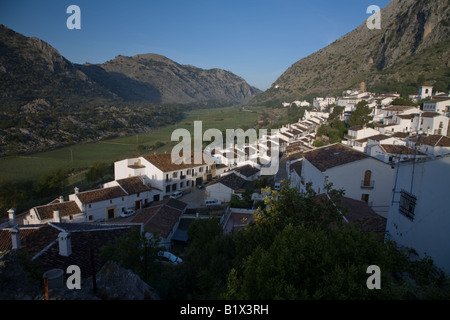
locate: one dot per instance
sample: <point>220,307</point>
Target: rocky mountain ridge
<point>411,48</point>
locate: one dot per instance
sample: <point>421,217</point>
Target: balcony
<point>367,184</point>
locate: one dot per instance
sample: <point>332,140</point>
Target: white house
<point>295,173</point>
<point>356,137</point>
<point>433,144</point>
<point>418,213</point>
<point>56,211</point>
<point>390,111</point>
<point>432,123</point>
<point>164,174</point>
<point>390,153</point>
<point>383,139</point>
<point>425,92</point>
<point>139,191</point>
<point>101,204</point>
<point>441,106</point>
<point>360,175</point>
<point>222,188</point>
<point>161,218</point>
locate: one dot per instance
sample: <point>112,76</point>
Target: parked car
<point>212,202</point>
<point>277,186</point>
<point>170,257</point>
<point>176,195</point>
<point>127,213</point>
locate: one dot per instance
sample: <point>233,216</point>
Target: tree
<point>361,116</point>
<point>302,263</point>
<point>134,251</point>
<point>51,184</point>
<point>403,102</point>
<point>98,171</point>
<point>300,249</point>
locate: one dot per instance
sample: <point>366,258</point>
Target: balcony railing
<point>367,184</point>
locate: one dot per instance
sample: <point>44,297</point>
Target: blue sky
<point>255,39</point>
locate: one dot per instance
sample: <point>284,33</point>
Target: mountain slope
<point>413,45</point>
<point>156,78</point>
<point>32,69</point>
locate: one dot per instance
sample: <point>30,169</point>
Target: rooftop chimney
<point>56,216</point>
<point>15,237</point>
<point>76,190</point>
<point>61,199</point>
<point>12,217</point>
<point>65,244</point>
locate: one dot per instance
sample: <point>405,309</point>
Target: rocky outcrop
<point>116,283</point>
<point>152,77</point>
<point>113,283</point>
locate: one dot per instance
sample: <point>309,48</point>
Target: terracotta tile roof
<point>297,167</point>
<point>165,164</point>
<point>432,140</point>
<point>379,137</point>
<point>163,221</point>
<point>399,108</point>
<point>133,185</point>
<point>232,181</point>
<point>101,194</point>
<point>66,208</point>
<point>161,216</point>
<point>24,232</point>
<point>359,213</point>
<point>41,242</point>
<point>430,114</point>
<point>400,134</point>
<point>176,204</point>
<point>333,155</point>
<point>396,149</point>
<point>247,170</point>
<point>356,128</point>
<point>145,214</point>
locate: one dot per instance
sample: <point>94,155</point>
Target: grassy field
<point>80,156</point>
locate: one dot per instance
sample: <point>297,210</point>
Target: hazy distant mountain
<point>152,77</point>
<point>411,48</point>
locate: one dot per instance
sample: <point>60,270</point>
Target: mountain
<point>32,69</point>
<point>411,48</point>
<point>152,77</point>
<point>46,101</point>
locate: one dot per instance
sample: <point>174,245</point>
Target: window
<point>407,204</point>
<point>367,176</point>
<point>365,198</point>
